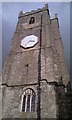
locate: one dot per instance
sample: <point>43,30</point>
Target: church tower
<point>35,75</point>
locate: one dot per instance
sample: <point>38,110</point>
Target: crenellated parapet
<point>22,14</point>
<point>35,80</point>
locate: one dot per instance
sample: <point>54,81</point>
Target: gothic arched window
<point>28,101</point>
<point>32,20</point>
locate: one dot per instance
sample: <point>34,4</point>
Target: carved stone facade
<point>41,69</point>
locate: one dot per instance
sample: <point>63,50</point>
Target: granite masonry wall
<point>46,71</point>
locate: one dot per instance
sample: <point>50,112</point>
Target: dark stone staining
<point>63,100</point>
<point>26,71</point>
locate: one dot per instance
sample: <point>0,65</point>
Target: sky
<point>10,12</point>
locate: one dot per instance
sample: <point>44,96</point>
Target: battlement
<point>35,80</point>
<point>22,14</point>
<point>55,19</point>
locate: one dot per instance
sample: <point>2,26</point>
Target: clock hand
<point>30,41</point>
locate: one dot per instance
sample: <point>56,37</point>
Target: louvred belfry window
<point>28,101</point>
<point>32,20</point>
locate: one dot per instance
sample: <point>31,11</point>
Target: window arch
<point>28,101</point>
<point>32,20</point>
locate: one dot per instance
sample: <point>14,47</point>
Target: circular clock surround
<point>29,41</point>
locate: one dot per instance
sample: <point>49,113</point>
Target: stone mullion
<point>30,102</point>
<point>26,104</point>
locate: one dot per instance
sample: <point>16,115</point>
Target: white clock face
<point>29,41</point>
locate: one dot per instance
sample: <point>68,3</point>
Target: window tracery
<point>28,101</point>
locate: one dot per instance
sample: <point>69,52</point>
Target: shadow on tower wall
<point>64,101</point>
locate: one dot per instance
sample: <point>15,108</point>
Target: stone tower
<point>35,75</point>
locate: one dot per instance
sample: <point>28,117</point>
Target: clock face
<point>29,41</point>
